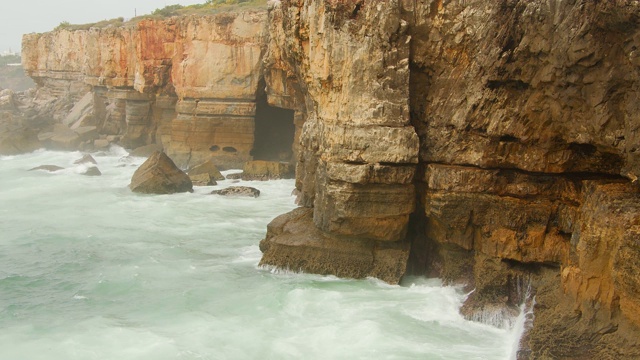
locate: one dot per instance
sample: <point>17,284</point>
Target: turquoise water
<point>90,270</point>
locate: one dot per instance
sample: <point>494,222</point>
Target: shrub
<point>167,11</point>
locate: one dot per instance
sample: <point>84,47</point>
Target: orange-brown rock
<point>148,83</point>
<point>159,175</point>
<point>358,151</point>
<point>520,107</point>
<point>294,243</point>
<point>523,123</point>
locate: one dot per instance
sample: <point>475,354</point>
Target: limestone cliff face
<point>358,150</point>
<point>524,172</point>
<point>188,83</point>
<point>528,123</point>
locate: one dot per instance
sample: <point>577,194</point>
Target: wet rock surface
<point>294,243</point>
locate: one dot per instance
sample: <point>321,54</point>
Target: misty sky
<point>19,17</point>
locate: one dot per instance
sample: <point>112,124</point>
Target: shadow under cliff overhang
<point>274,130</point>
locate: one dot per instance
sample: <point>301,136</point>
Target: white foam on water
<point>90,270</point>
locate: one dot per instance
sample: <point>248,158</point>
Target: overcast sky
<point>19,17</point>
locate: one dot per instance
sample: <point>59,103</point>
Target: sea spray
<point>524,321</point>
<point>516,321</point>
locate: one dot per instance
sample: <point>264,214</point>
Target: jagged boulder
<point>267,170</point>
<point>159,175</point>
<point>238,191</point>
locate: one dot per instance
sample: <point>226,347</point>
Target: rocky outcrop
<point>359,150</point>
<point>159,175</point>
<point>524,114</point>
<point>293,242</point>
<point>217,107</point>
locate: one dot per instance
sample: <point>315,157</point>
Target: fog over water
<point>90,270</point>
<point>19,17</point>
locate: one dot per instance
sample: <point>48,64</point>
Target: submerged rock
<point>159,175</point>
<point>267,170</point>
<point>238,191</point>
<point>50,168</point>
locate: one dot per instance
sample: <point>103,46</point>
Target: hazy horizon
<point>29,16</point>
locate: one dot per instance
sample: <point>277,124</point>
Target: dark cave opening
<point>274,130</point>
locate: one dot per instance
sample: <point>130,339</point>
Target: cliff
<point>146,82</point>
<point>499,138</point>
<point>490,143</point>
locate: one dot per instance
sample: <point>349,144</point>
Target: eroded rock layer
<point>358,149</point>
<point>526,117</point>
<point>528,130</point>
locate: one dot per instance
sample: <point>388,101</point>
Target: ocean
<point>90,270</point>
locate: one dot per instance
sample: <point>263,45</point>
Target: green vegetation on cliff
<point>209,7</point>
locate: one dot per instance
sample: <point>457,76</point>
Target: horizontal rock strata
<point>491,143</point>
